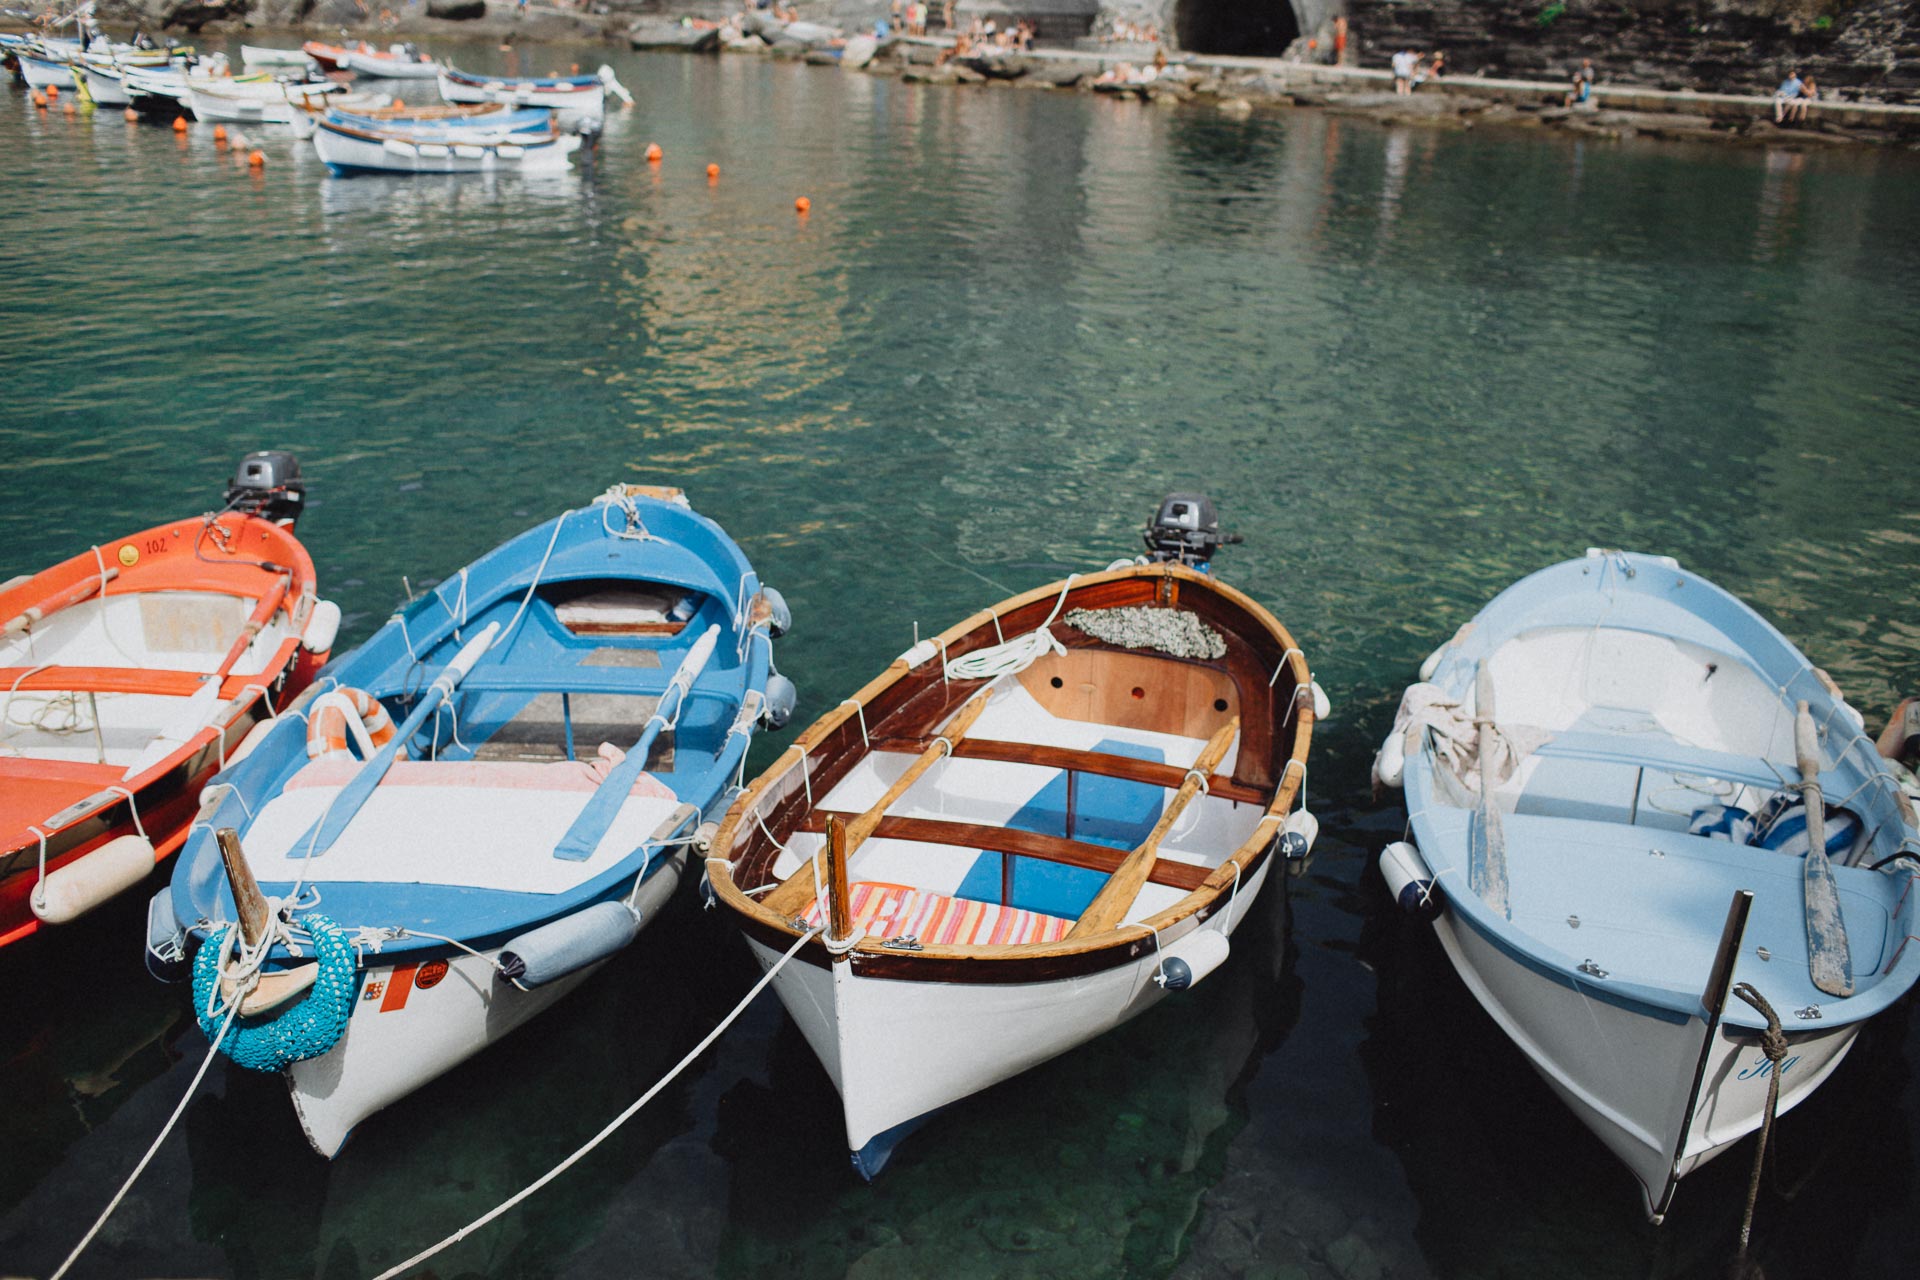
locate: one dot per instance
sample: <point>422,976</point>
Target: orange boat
<point>130,675</point>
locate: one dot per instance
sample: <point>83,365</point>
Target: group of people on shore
<point>1793,97</point>
<point>1411,69</point>
<point>987,36</point>
<point>909,17</point>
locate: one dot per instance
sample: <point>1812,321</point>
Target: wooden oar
<point>255,623</point>
<point>73,595</point>
<point>1829,958</point>
<point>347,803</point>
<point>272,989</point>
<point>797,889</point>
<point>584,836</point>
<point>1109,907</point>
<point>1487,838</point>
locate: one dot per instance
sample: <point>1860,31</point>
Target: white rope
<point>1010,656</point>
<point>38,897</point>
<point>1281,666</point>
<point>212,1052</point>
<point>612,1125</point>
<point>134,808</point>
<point>860,709</point>
<point>559,522</point>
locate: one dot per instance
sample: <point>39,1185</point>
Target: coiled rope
<point>611,1125</point>
<point>1012,656</point>
<point>1773,1043</point>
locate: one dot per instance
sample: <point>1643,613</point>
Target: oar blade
<point>1829,957</point>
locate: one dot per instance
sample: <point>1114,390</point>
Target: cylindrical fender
<point>1191,959</point>
<point>571,943</point>
<point>92,878</point>
<point>1409,880</point>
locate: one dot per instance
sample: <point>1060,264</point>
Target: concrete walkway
<point>1713,106</point>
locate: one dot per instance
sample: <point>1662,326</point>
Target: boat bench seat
<point>645,682</point>
<point>1651,751</point>
<point>898,911</point>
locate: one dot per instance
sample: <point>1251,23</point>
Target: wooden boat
<point>435,903</point>
<point>1615,778</point>
<point>402,62</point>
<point>1005,861</point>
<point>256,56</point>
<point>576,98</point>
<point>307,112</point>
<point>349,148</point>
<point>130,673</point>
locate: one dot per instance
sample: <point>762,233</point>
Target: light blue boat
<point>431,887</point>
<point>1648,847</point>
<point>527,120</point>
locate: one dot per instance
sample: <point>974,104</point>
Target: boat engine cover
<point>267,484</point>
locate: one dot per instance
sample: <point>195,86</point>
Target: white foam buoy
<point>1390,762</point>
<point>1409,880</point>
<point>323,625</point>
<point>1192,958</point>
<point>89,880</point>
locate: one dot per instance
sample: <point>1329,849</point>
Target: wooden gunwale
<point>513,140</point>
<point>1263,659</point>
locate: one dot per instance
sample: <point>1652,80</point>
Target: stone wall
<point>1869,47</point>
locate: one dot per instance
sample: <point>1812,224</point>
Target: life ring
<point>341,712</point>
<point>302,1030</point>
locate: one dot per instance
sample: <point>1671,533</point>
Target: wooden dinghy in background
<point>1017,844</point>
<point>132,673</point>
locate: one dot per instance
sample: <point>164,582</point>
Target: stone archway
<point>1243,28</point>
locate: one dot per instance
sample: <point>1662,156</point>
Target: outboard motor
<point>1187,530</point>
<point>268,485</point>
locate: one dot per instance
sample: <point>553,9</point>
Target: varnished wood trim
<point>1098,763</point>
<point>1023,844</point>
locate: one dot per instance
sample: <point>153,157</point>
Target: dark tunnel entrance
<point>1248,28</point>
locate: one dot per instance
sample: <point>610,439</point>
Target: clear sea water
<point>1409,365</point>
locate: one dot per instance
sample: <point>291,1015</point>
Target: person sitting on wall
<point>1808,92</point>
<point>1581,89</point>
<point>1786,99</point>
<point>1437,65</point>
<point>1404,63</point>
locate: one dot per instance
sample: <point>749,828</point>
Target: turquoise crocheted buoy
<point>305,1029</point>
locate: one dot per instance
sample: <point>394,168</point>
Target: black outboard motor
<point>1187,530</point>
<point>268,485</point>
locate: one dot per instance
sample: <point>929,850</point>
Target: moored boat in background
<point>1660,851</point>
<point>132,673</point>
<point>1011,846</point>
<point>348,148</point>
<point>576,98</point>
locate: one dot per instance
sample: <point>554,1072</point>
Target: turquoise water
<point>1409,365</point>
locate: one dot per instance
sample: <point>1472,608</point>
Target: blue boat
<point>1650,832</point>
<point>467,815</point>
<point>529,120</point>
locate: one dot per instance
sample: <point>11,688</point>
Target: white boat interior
<point>185,631</point>
<point>1114,812</point>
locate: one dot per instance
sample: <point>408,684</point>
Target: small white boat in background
<point>42,68</point>
<point>1631,799</point>
<point>253,102</point>
<point>348,148</point>
<point>402,62</point>
<point>255,56</point>
<point>577,99</point>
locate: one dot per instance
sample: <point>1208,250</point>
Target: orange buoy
<point>399,104</point>
<point>802,205</point>
<point>53,93</point>
<point>256,159</point>
<point>133,117</point>
<point>219,133</point>
<point>179,124</point>
<point>39,99</point>
<point>654,153</point>
<point>69,107</point>
<point>713,173</point>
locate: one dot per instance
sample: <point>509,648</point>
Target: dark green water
<point>1410,366</point>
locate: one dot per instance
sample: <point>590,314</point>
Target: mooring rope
<point>213,1051</point>
<point>611,1125</point>
<point>1773,1043</point>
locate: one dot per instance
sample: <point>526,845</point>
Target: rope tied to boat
<point>1773,1043</point>
<point>305,1029</point>
<point>1012,656</point>
<point>609,1129</point>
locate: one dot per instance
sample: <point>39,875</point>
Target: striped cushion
<point>1782,824</point>
<point>896,910</point>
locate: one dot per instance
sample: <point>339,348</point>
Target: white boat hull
<point>898,1051</point>
<point>241,110</point>
<point>254,56</point>
<point>400,1036</point>
<point>573,107</point>
<point>41,75</point>
<point>106,89</point>
<point>1625,1072</point>
<point>391,155</point>
<point>389,68</point>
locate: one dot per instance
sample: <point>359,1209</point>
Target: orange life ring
<point>327,727</point>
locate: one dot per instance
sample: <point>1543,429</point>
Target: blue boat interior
<point>1108,811</point>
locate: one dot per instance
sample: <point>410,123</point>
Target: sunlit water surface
<point>1410,366</point>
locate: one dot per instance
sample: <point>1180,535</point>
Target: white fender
<point>1390,762</point>
<point>91,879</point>
<point>1409,880</point>
<point>1192,958</point>
<point>1298,833</point>
<point>1322,707</point>
<point>323,625</point>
